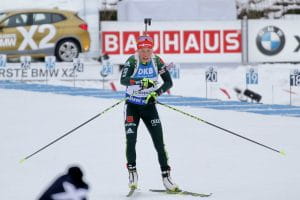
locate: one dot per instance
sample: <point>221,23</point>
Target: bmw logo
<point>270,40</point>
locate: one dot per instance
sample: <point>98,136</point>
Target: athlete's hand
<point>147,83</point>
<point>151,98</point>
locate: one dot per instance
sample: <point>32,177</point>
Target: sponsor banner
<point>38,72</point>
<point>191,42</point>
<point>273,41</point>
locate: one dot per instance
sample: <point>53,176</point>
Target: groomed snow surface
<point>203,158</point>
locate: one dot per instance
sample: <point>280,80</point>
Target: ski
<point>182,192</point>
<point>131,191</point>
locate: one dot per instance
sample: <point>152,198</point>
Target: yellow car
<point>41,32</point>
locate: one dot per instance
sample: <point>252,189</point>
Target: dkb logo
<point>145,71</point>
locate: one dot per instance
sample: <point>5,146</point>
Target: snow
<point>203,158</point>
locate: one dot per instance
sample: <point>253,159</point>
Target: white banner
<point>184,42</point>
<point>274,41</point>
<point>61,72</point>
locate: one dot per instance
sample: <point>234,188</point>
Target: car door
<point>45,34</point>
<point>11,39</point>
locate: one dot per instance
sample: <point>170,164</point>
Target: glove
<point>151,98</point>
<point>147,83</point>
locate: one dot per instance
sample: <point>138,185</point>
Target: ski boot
<point>168,182</point>
<point>133,176</point>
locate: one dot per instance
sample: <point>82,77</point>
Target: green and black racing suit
<point>136,107</point>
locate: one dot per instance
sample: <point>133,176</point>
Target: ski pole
<point>223,129</point>
<point>71,131</point>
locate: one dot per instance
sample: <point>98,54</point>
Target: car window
<point>17,20</point>
<point>57,18</point>
<point>76,15</point>
<point>41,18</point>
<point>2,16</point>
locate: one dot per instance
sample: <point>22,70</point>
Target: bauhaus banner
<point>184,42</point>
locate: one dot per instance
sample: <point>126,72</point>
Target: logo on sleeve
<point>129,119</point>
<point>154,122</point>
<point>129,131</point>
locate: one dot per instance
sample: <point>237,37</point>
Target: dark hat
<point>75,173</point>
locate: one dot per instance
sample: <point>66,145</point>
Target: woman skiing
<point>140,76</point>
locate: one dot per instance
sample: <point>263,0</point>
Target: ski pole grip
<point>147,21</point>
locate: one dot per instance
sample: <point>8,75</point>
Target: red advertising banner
<point>192,42</point>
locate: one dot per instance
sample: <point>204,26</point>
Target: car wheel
<point>67,50</point>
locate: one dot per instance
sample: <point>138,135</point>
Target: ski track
<point>203,159</point>
<point>267,109</point>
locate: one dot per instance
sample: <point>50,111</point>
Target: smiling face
<point>145,54</point>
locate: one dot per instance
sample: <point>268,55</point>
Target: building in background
<point>268,9</point>
<point>171,10</point>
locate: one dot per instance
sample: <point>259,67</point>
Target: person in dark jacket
<point>69,186</point>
